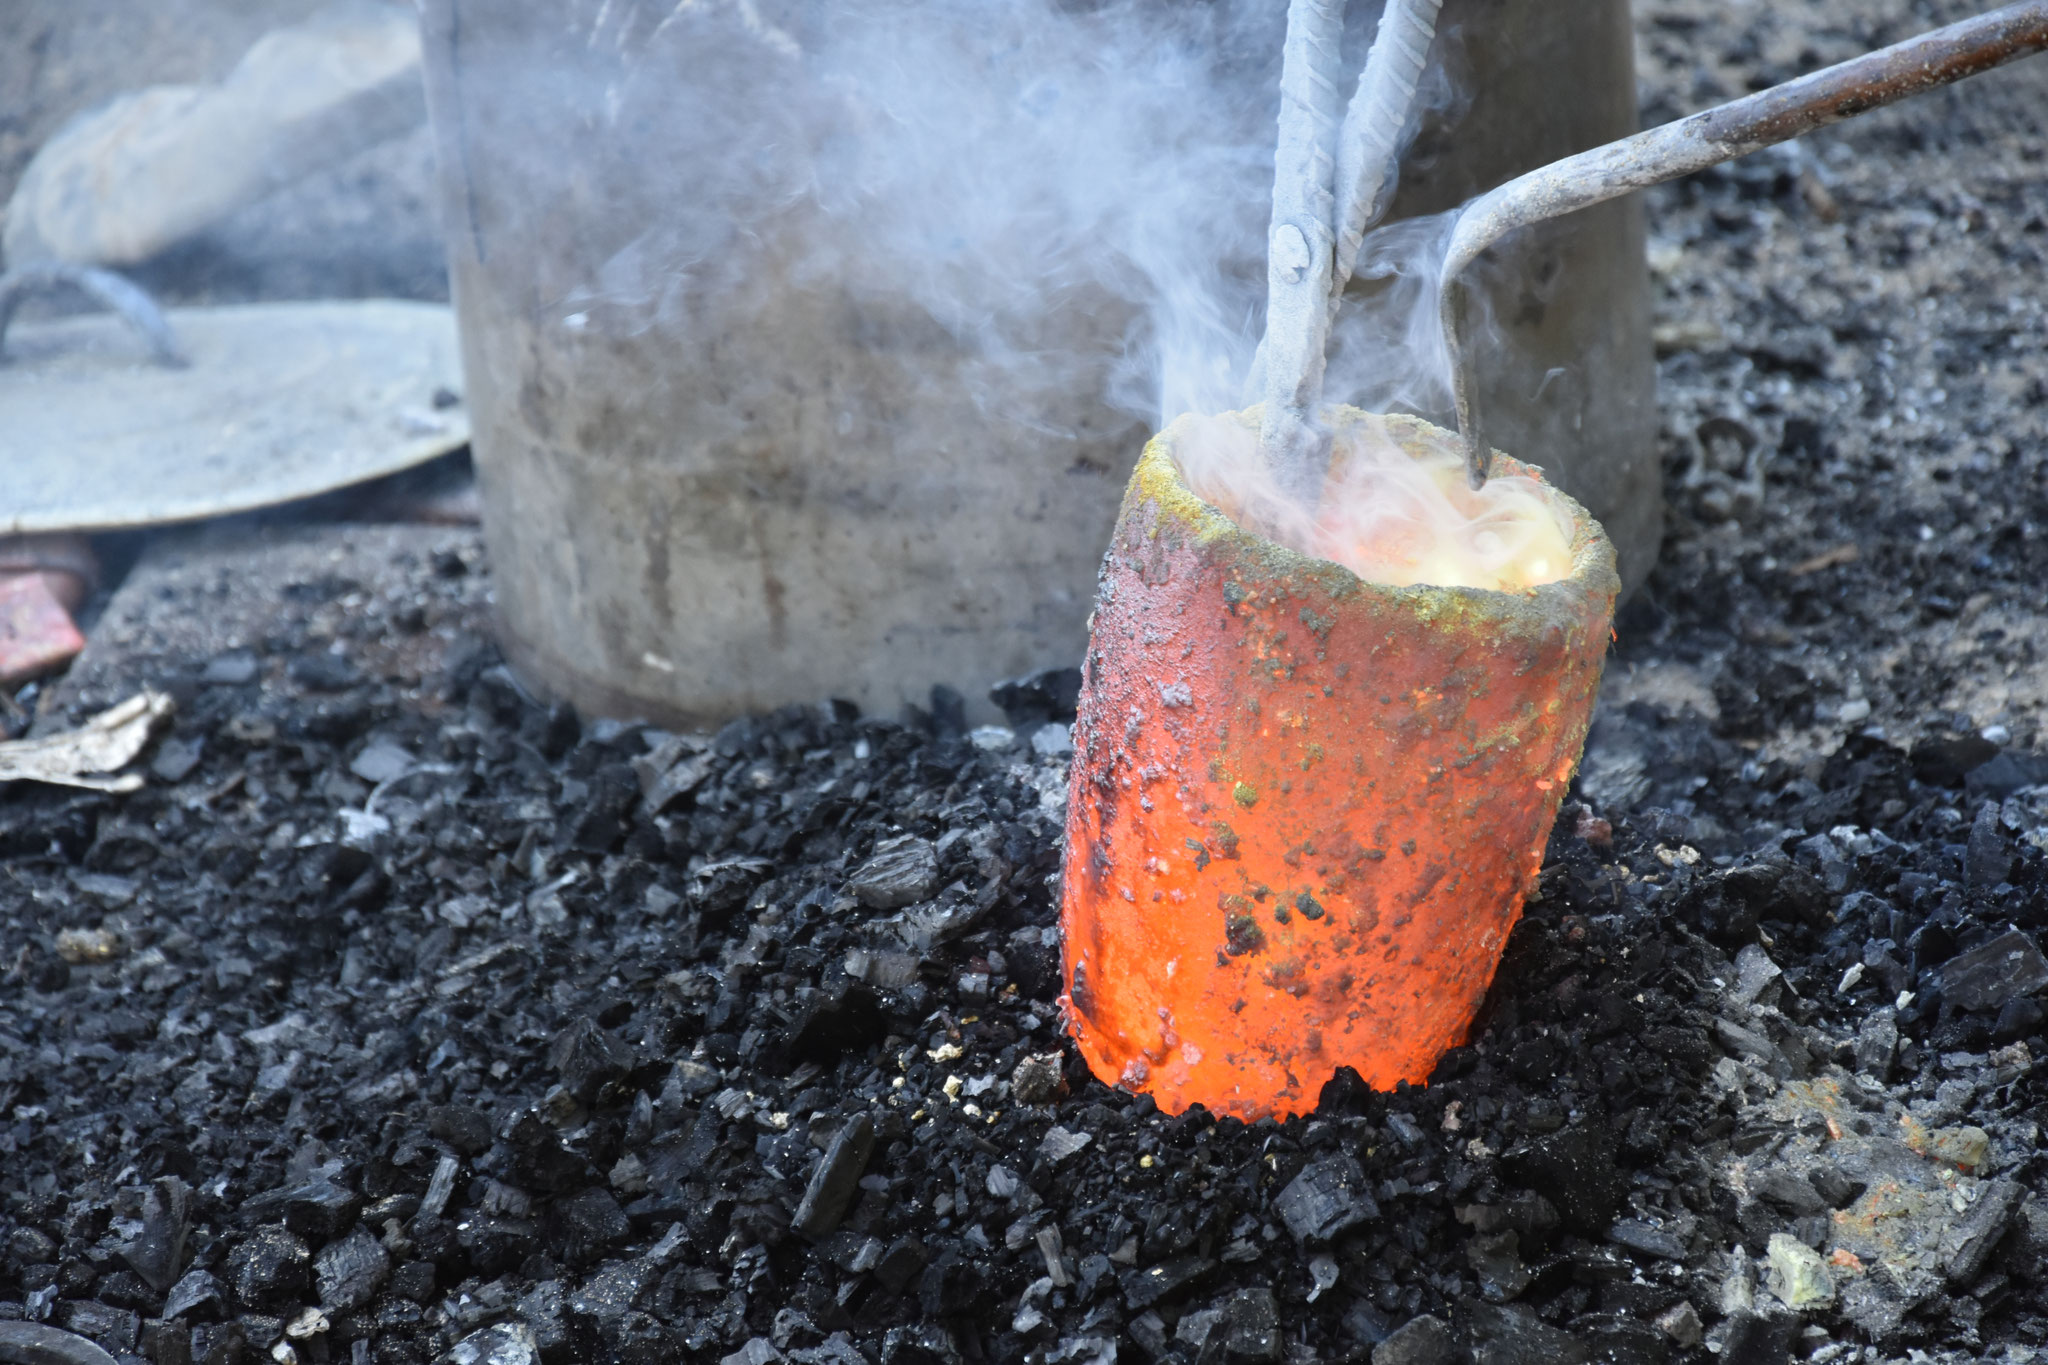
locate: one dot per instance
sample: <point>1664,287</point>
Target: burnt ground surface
<point>399,1018</point>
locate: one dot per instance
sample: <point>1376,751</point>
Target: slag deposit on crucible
<point>1400,513</point>
<point>1305,807</point>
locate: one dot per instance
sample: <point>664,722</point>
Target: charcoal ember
<point>1728,906</point>
<point>503,1343</point>
<point>348,1273</point>
<point>902,870</point>
<point>588,1058</point>
<point>1423,1340</point>
<point>197,1295</point>
<point>1987,977</point>
<point>1988,858</point>
<point>836,1179</point>
<point>1877,1044</point>
<point>270,1268</point>
<point>584,1226</point>
<point>1328,1197</point>
<point>321,1210</point>
<point>600,819</point>
<point>158,1250</point>
<point>1637,1235</point>
<point>1788,1191</point>
<point>116,1329</point>
<point>1027,702</point>
<point>2018,1018</point>
<point>1574,1169</point>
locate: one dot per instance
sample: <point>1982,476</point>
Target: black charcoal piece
<point>1988,856</point>
<point>1574,1168</point>
<point>465,1128</point>
<point>1986,977</point>
<point>320,1210</point>
<point>1327,1198</point>
<point>588,1058</point>
<point>158,1251</point>
<point>1423,1340</point>
<point>836,1179</point>
<point>583,1226</point>
<point>901,871</point>
<point>1251,1324</point>
<point>1154,1284</point>
<point>270,1268</point>
<point>1514,1336</point>
<point>197,1295</point>
<point>348,1273</point>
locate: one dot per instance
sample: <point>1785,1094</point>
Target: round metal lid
<point>280,401</point>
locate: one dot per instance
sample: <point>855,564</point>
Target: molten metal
<point>1305,809</point>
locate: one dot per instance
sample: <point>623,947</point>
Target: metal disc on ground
<point>280,401</point>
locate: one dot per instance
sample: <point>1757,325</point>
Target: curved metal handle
<point>121,295</point>
<point>1706,139</point>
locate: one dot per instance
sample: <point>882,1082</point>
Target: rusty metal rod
<point>1692,144</point>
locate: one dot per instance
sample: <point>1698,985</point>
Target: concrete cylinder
<point>752,482</point>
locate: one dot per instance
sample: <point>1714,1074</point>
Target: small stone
<point>993,739</point>
<point>176,758</point>
<point>1038,1079</point>
<point>1986,977</point>
<point>1327,1198</point>
<point>381,761</point>
<point>1681,1322</point>
<point>87,947</point>
<point>1424,1340</point>
<point>835,1179</point>
<point>1796,1275</point>
<point>901,871</point>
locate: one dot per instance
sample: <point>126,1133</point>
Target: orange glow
<point>1305,810</point>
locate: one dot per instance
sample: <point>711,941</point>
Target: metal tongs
<point>1691,144</point>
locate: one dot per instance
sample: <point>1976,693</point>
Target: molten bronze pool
<point>1305,809</point>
